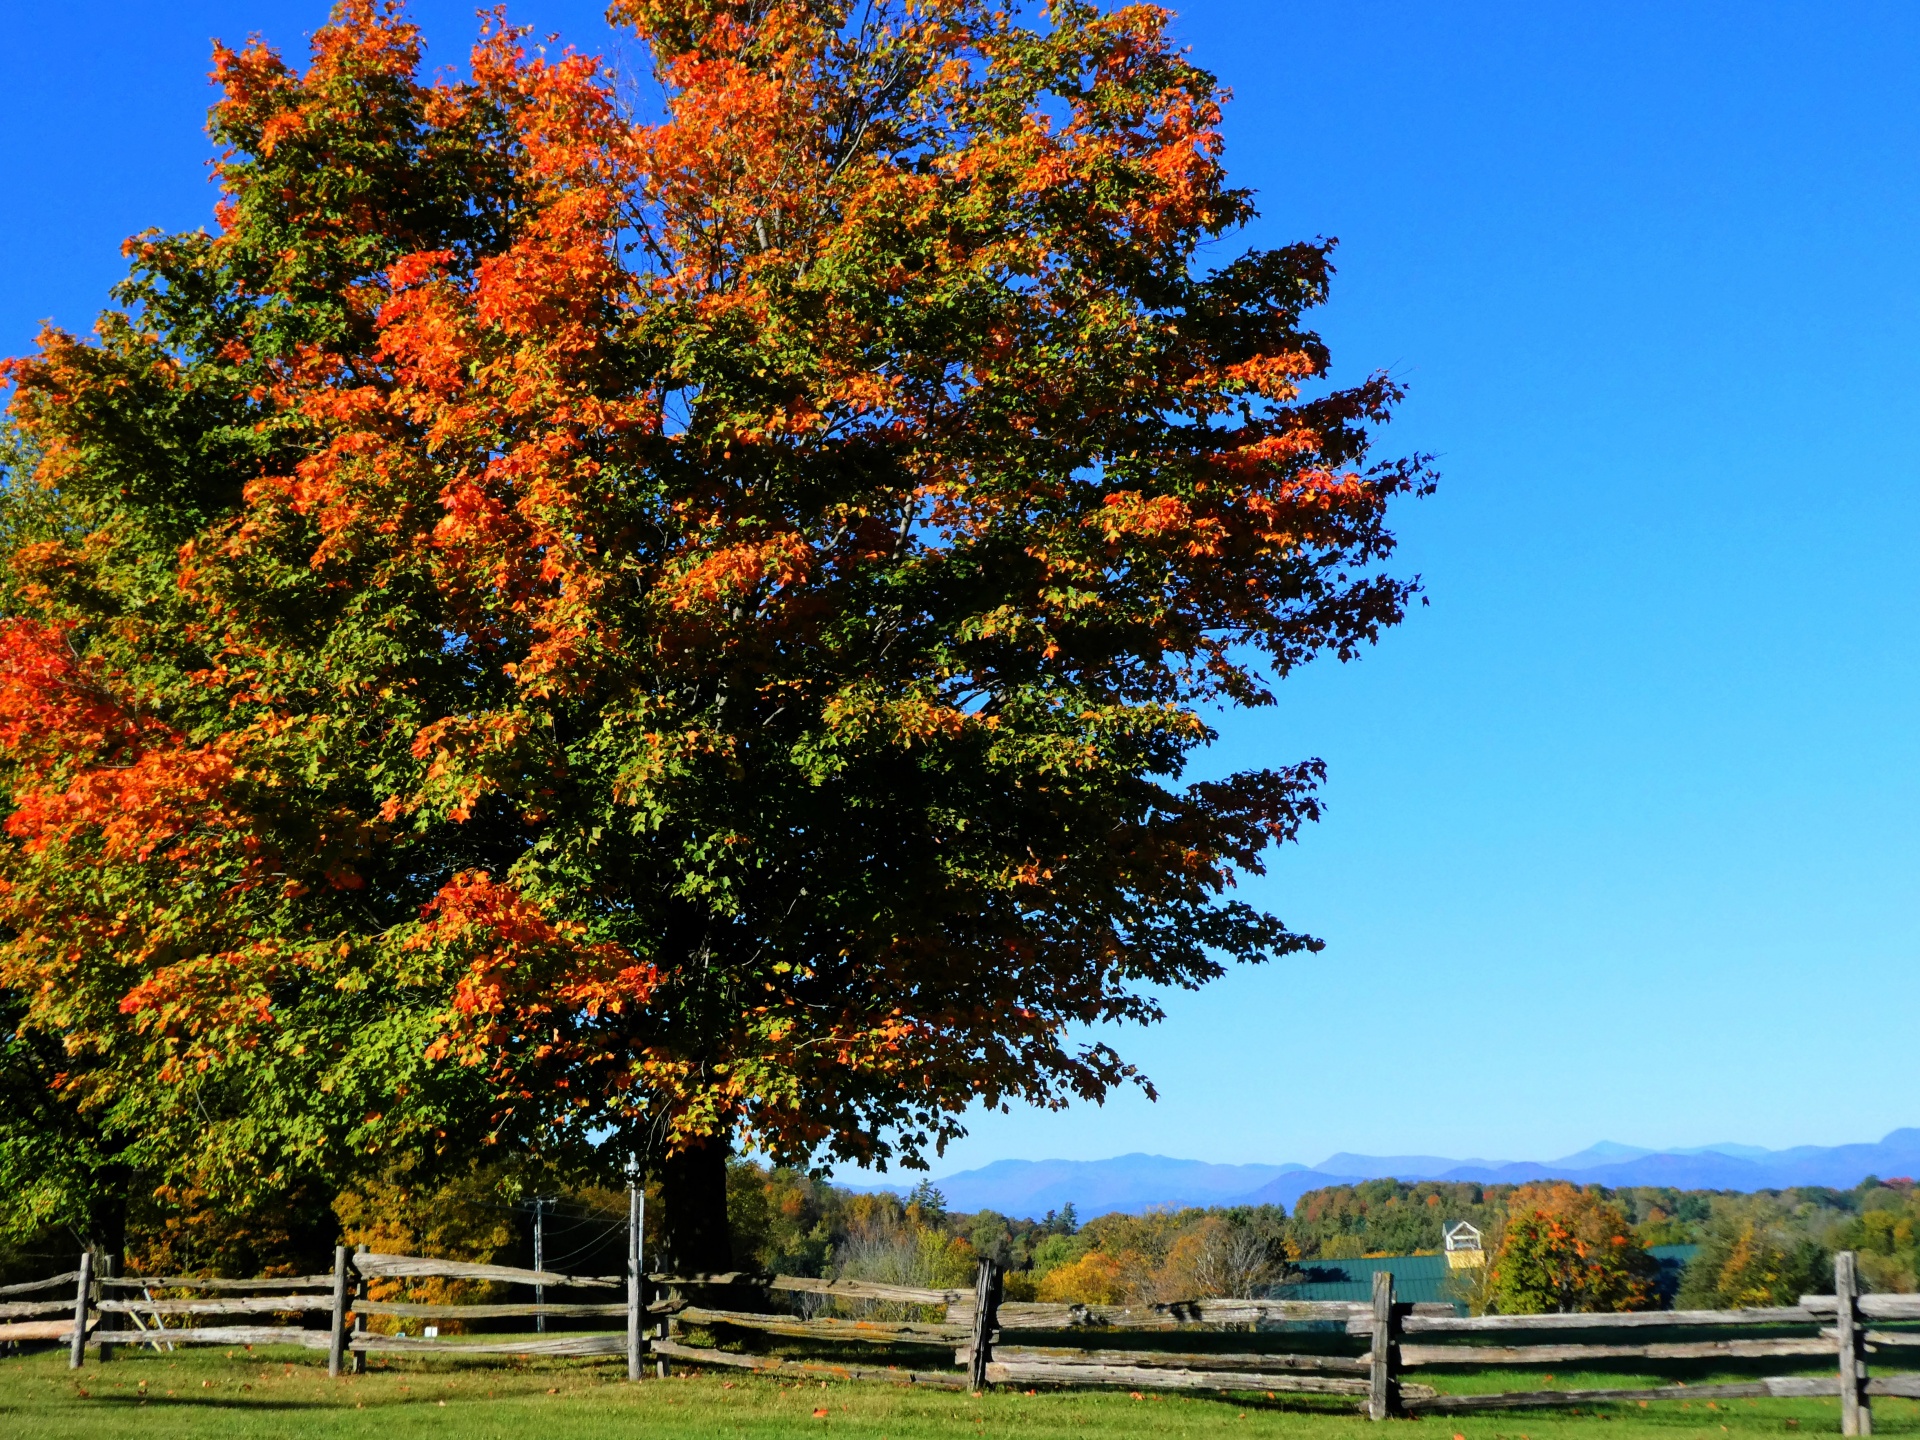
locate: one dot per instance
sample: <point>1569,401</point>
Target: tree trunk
<point>107,1215</point>
<point>693,1184</point>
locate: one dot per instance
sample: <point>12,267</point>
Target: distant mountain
<point>1739,1152</point>
<point>1379,1167</point>
<point>1684,1172</point>
<point>1606,1152</point>
<point>1609,1153</point>
<point>1133,1183</point>
<point>1129,1183</point>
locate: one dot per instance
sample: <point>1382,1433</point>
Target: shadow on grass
<point>211,1402</point>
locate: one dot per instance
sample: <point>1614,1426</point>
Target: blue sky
<point>1622,837</point>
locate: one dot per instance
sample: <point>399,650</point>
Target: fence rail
<point>1071,1344</point>
<point>375,1266</point>
<point>199,1282</point>
<point>52,1282</point>
<point>1829,1326</point>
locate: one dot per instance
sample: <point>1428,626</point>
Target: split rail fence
<point>1083,1345</point>
<point>707,1320</point>
<point>104,1312</point>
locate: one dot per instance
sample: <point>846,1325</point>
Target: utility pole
<point>539,1259</point>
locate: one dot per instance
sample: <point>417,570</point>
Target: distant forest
<point>1754,1249</point>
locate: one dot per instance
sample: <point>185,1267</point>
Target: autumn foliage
<point>1567,1249</point>
<point>553,623</point>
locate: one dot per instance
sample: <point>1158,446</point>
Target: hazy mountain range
<point>1030,1188</point>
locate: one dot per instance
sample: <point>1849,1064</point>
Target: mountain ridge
<point>1137,1182</point>
<point>1129,1183</point>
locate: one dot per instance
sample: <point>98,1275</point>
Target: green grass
<point>219,1393</point>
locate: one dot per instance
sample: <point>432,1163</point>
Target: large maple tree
<point>603,631</point>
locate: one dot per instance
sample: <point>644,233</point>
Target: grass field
<point>216,1393</point>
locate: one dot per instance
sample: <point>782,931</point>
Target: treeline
<point>1549,1246</point>
<point>787,1222</point>
<point>1755,1249</point>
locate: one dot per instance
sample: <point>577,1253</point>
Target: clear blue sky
<point>1624,830</point>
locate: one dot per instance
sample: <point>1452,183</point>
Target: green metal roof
<point>1422,1279</point>
<point>1416,1278</point>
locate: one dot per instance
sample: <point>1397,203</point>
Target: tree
<point>193,935</point>
<point>1750,1256</point>
<point>1227,1255</point>
<point>1886,1235</point>
<point>600,633</point>
<point>1569,1250</point>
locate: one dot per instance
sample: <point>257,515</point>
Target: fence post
<point>359,1316</point>
<point>986,1316</point>
<point>83,1292</point>
<point>337,1340</point>
<point>662,1331</point>
<point>539,1260</point>
<point>1856,1411</point>
<point>108,1323</point>
<point>1383,1388</point>
<point>636,1284</point>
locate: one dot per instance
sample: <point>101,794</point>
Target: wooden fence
<point>104,1312</point>
<point>971,1339</point>
<point>1028,1344</point>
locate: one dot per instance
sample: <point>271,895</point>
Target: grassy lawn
<point>216,1393</point>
